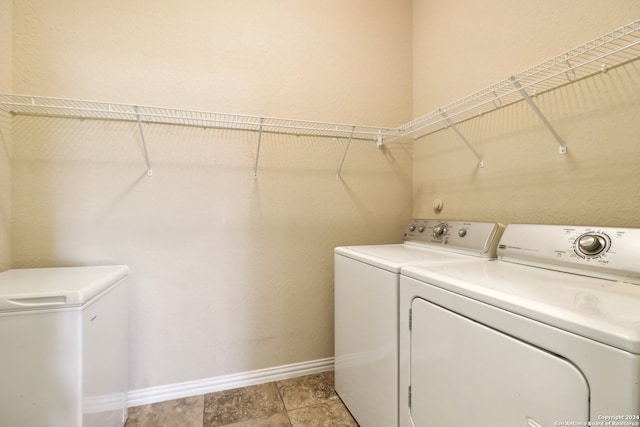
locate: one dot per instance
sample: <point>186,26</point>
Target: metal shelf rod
<point>344,156</point>
<point>255,168</point>
<point>463,138</point>
<point>144,146</point>
<point>534,107</point>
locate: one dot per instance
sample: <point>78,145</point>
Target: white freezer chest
<point>63,347</point>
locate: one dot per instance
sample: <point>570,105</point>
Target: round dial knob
<point>462,232</point>
<point>439,230</point>
<point>591,244</point>
<point>412,227</point>
<point>421,229</point>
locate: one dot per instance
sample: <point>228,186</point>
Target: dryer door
<point>466,374</point>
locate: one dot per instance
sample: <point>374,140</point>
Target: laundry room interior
<point>229,233</point>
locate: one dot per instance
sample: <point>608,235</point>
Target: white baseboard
<point>149,395</point>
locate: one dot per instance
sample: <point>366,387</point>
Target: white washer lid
<point>393,257</point>
<point>602,310</point>
<point>46,288</point>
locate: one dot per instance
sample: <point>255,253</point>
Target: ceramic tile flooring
<point>308,401</point>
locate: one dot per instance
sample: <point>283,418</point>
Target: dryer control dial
<point>591,244</point>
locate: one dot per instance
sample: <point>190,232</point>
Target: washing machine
<point>63,346</point>
<point>366,308</point>
<point>546,335</point>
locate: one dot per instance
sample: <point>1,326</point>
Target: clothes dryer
<point>547,335</point>
<point>366,308</point>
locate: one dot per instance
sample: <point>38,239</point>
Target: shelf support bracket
<point>497,102</point>
<point>255,167</point>
<point>449,123</point>
<point>344,156</point>
<point>571,72</point>
<point>144,141</point>
<point>379,139</point>
<point>534,107</point>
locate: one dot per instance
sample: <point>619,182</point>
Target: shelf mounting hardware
<point>379,139</point>
<point>534,107</point>
<point>344,155</point>
<point>571,72</point>
<point>144,141</point>
<point>449,123</point>
<point>255,167</point>
<point>497,102</point>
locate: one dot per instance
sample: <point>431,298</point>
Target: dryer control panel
<point>471,237</point>
<point>607,252</point>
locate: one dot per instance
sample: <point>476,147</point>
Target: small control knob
<point>439,230</point>
<point>591,244</point>
<point>421,229</point>
<point>412,228</point>
<point>462,232</point>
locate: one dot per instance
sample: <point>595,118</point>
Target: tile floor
<point>307,401</point>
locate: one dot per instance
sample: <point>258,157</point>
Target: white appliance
<point>366,308</point>
<point>63,351</point>
<point>547,335</point>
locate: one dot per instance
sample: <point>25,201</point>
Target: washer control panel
<point>595,251</point>
<point>476,238</point>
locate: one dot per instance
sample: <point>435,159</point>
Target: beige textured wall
<point>228,273</point>
<point>461,46</point>
<point>5,135</point>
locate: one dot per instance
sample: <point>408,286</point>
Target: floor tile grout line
<point>204,405</point>
<point>286,410</point>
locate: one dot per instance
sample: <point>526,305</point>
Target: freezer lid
<point>46,288</point>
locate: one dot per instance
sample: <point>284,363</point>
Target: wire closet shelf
<point>599,55</point>
<point>83,109</point>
